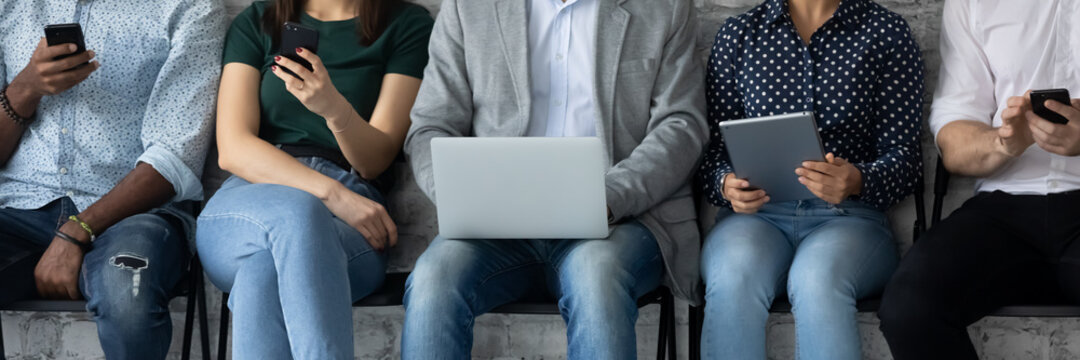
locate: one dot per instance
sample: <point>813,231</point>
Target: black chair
<point>393,292</point>
<point>779,306</point>
<point>941,188</point>
<point>193,285</point>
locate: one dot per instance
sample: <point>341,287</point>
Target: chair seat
<point>1050,311</point>
<point>47,306</point>
<point>390,294</point>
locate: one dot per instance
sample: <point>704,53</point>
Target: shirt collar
<point>848,13</point>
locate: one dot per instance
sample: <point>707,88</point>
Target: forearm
<point>24,103</point>
<point>141,190</point>
<point>971,148</point>
<point>369,150</point>
<point>259,162</point>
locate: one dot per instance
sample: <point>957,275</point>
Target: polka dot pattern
<point>152,100</point>
<point>861,75</point>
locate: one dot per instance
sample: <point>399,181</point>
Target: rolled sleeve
<point>178,121</point>
<point>176,171</point>
<point>965,89</point>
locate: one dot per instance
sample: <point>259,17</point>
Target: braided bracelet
<point>10,111</point>
<point>84,226</point>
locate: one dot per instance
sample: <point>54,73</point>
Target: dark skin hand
<point>57,273</point>
<point>41,77</point>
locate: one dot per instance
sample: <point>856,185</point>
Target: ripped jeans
<point>127,279</point>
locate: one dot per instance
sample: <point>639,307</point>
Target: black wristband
<point>5,105</point>
<point>85,246</point>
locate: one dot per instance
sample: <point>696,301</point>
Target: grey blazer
<point>649,96</point>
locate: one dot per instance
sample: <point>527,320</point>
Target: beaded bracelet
<point>5,104</point>
<point>84,226</point>
<point>86,247</point>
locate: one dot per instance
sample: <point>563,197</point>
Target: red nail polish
<point>273,67</point>
<point>299,50</point>
<point>277,58</point>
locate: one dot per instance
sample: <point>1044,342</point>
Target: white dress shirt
<point>994,49</point>
<point>562,40</point>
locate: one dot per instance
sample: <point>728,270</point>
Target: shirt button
<point>558,57</point>
<point>558,103</point>
<point>63,170</point>
<point>64,131</point>
<point>1052,184</point>
<point>70,194</point>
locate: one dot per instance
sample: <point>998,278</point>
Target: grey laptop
<point>520,188</point>
<point>766,151</point>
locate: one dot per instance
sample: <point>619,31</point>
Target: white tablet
<point>766,151</point>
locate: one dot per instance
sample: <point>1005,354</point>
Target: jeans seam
<point>862,266</point>
<point>244,217</point>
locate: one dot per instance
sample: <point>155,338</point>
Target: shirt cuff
<point>183,179</point>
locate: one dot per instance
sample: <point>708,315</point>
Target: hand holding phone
<point>1060,134</point>
<point>1038,104</point>
<point>53,70</point>
<point>59,34</point>
<point>294,36</point>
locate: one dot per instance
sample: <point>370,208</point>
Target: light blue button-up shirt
<point>152,100</point>
<point>562,44</point>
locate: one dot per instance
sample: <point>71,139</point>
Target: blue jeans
<point>596,282</point>
<point>127,279</point>
<point>292,269</point>
<point>830,256</point>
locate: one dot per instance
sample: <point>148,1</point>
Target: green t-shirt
<point>357,71</point>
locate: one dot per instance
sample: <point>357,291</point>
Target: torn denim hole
<point>134,263</point>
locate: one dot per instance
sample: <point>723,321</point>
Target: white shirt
<point>562,40</point>
<point>994,49</point>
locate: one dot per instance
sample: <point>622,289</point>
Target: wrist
<point>22,98</point>
<point>73,229</point>
<point>340,116</point>
<point>330,191</point>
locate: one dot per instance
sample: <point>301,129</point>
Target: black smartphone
<point>294,36</point>
<point>57,34</point>
<point>1038,104</point>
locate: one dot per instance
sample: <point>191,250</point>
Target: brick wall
<point>377,331</point>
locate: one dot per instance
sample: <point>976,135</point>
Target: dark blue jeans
<point>127,279</point>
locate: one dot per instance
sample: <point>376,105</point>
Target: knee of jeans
<point>266,204</point>
<point>430,286</point>
<point>736,276</point>
<point>819,286</point>
<point>124,299</point>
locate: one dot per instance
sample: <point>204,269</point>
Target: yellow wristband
<point>84,225</point>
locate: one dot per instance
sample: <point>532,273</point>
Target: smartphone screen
<point>294,36</point>
<point>57,34</point>
<point>1038,104</point>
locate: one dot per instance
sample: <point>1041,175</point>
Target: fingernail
<point>277,58</point>
<point>72,47</point>
<point>273,67</point>
<point>299,50</point>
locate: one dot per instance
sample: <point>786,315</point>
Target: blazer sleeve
<point>668,155</point>
<point>443,106</point>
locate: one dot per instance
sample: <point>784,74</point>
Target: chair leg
<point>204,336</point>
<point>189,316</point>
<point>696,317</point>
<point>661,338</point>
<point>223,333</point>
<point>2,354</point>
<point>670,304</point>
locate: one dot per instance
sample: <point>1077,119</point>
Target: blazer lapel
<point>514,34</point>
<point>610,32</point>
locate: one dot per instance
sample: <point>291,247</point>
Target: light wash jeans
<point>127,279</point>
<point>292,269</point>
<point>596,283</point>
<point>828,257</point>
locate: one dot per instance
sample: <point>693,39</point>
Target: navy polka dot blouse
<point>861,75</point>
